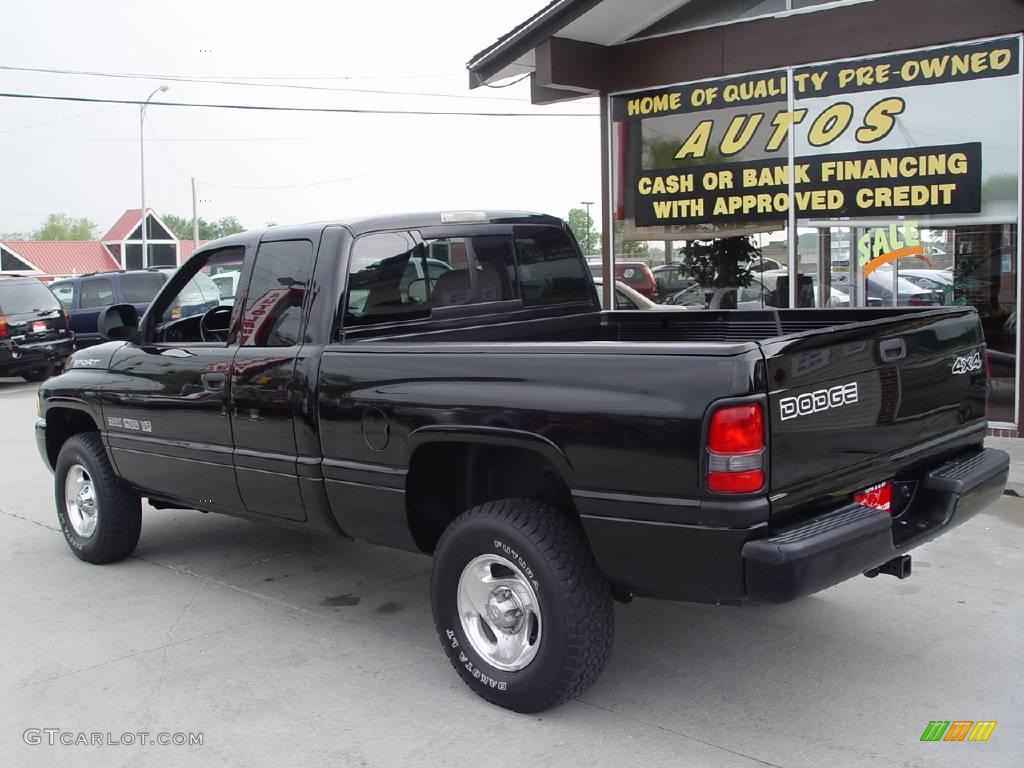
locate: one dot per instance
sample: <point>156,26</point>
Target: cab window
<point>181,313</point>
<point>277,292</point>
<point>397,276</point>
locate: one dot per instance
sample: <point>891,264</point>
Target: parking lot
<point>282,648</point>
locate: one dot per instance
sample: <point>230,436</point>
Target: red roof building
<point>119,248</point>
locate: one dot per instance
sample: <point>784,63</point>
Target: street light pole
<point>588,203</point>
<point>142,171</point>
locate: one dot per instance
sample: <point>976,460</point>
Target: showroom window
<point>890,180</point>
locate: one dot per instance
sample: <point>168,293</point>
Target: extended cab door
<point>263,377</point>
<point>165,401</point>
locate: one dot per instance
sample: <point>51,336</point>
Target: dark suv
<point>86,296</point>
<point>34,335</point>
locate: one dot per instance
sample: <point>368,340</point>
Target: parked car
<point>86,296</point>
<point>550,456</point>
<point>34,334</point>
<point>929,279</point>
<point>766,264</point>
<point>627,298</point>
<point>766,289</point>
<point>882,282</point>
<point>227,286</point>
<point>671,279</point>
<point>636,274</point>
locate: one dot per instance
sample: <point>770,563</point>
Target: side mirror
<point>118,322</point>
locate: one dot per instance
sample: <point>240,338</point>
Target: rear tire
<point>100,517</point>
<point>36,374</point>
<point>521,608</point>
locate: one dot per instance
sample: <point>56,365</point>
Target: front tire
<point>101,518</point>
<point>521,609</point>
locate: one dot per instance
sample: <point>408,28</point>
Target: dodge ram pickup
<point>447,383</point>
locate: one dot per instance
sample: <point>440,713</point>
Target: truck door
<point>263,377</point>
<point>165,401</point>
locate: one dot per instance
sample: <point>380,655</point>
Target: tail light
<point>3,327</point>
<point>736,449</point>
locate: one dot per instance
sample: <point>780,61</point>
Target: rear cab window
<point>408,275</point>
<point>550,268</point>
<point>396,276</point>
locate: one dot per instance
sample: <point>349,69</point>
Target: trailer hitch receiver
<point>898,567</point>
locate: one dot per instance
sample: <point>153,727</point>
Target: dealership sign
<point>752,116</point>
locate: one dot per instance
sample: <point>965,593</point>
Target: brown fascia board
<point>545,24</point>
<point>852,31</point>
<point>570,65</point>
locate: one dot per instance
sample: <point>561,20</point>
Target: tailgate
<point>856,404</point>
<point>37,326</point>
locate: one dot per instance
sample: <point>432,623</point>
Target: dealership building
<point>872,146</point>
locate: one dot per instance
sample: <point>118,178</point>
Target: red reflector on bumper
<point>736,482</point>
<point>877,496</point>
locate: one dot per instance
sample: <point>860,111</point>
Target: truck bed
<point>709,326</point>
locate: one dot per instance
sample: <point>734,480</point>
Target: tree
<point>638,248</point>
<point>208,230</point>
<point>582,227</point>
<point>60,226</point>
<point>720,263</point>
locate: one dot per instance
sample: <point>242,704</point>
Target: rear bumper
<point>830,548</point>
<point>721,564</point>
<point>23,357</point>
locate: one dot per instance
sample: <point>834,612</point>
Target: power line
<point>244,83</point>
<point>276,108</point>
<point>58,120</point>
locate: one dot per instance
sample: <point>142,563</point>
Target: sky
<point>83,159</point>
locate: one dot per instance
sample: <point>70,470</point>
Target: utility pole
<point>590,224</point>
<point>142,170</point>
<point>195,219</point>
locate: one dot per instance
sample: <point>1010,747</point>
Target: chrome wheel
<point>500,613</point>
<point>80,500</point>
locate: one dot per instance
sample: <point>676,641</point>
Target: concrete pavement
<point>288,649</point>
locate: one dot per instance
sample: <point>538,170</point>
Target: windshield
<point>22,298</point>
<point>141,287</point>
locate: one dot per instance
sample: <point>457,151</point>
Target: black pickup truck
<point>446,383</point>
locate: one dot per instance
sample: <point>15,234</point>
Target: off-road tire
<point>574,598</point>
<point>119,511</point>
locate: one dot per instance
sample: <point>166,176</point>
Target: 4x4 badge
<point>967,364</point>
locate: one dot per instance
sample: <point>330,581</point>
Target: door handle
<point>892,350</point>
<point>214,382</point>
